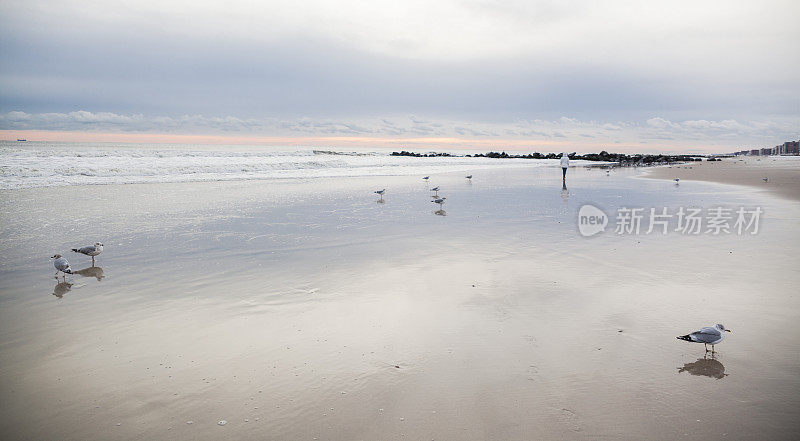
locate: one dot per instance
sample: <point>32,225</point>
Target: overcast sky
<point>677,75</point>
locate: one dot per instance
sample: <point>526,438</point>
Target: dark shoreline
<point>620,158</point>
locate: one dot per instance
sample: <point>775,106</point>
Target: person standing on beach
<point>564,165</point>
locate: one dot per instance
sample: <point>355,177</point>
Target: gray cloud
<point>159,74</point>
<point>477,68</point>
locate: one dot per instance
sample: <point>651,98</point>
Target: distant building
<point>790,148</point>
<point>787,148</point>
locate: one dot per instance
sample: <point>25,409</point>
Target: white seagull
<point>426,178</point>
<point>439,201</point>
<point>469,177</point>
<point>90,250</point>
<point>61,265</point>
<point>765,179</point>
<point>435,190</point>
<point>381,192</point>
<point>709,335</point>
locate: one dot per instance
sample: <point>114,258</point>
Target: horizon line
<point>352,141</point>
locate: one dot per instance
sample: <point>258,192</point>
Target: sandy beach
<point>363,221</point>
<point>782,173</point>
<point>300,309</point>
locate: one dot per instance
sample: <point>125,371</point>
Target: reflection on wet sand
<point>440,212</point>
<point>493,320</point>
<point>380,201</point>
<point>92,271</point>
<point>564,192</point>
<point>61,289</point>
<point>707,367</point>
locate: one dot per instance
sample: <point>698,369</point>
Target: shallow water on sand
<point>302,309</point>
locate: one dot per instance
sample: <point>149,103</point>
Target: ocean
<point>47,164</point>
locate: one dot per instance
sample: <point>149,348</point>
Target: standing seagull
<point>62,265</point>
<point>709,335</point>
<point>439,201</point>
<point>765,179</point>
<point>90,250</point>
<point>426,178</point>
<point>436,190</point>
<point>469,177</point>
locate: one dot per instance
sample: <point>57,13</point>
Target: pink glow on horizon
<point>417,143</point>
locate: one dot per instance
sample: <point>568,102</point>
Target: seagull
<point>90,250</point>
<point>677,179</point>
<point>61,265</point>
<point>469,177</point>
<point>439,201</point>
<point>381,192</point>
<point>765,179</point>
<point>435,190</point>
<point>709,335</point>
<point>426,178</point>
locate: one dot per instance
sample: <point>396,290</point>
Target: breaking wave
<point>64,164</point>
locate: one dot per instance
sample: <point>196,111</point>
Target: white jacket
<point>564,161</point>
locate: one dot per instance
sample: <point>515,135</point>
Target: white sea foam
<point>44,165</point>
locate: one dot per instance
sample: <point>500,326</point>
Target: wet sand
<point>783,173</point>
<point>304,309</point>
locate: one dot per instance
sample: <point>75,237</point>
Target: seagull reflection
<point>380,201</point>
<point>92,271</point>
<point>440,213</point>
<point>61,289</point>
<point>707,367</point>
